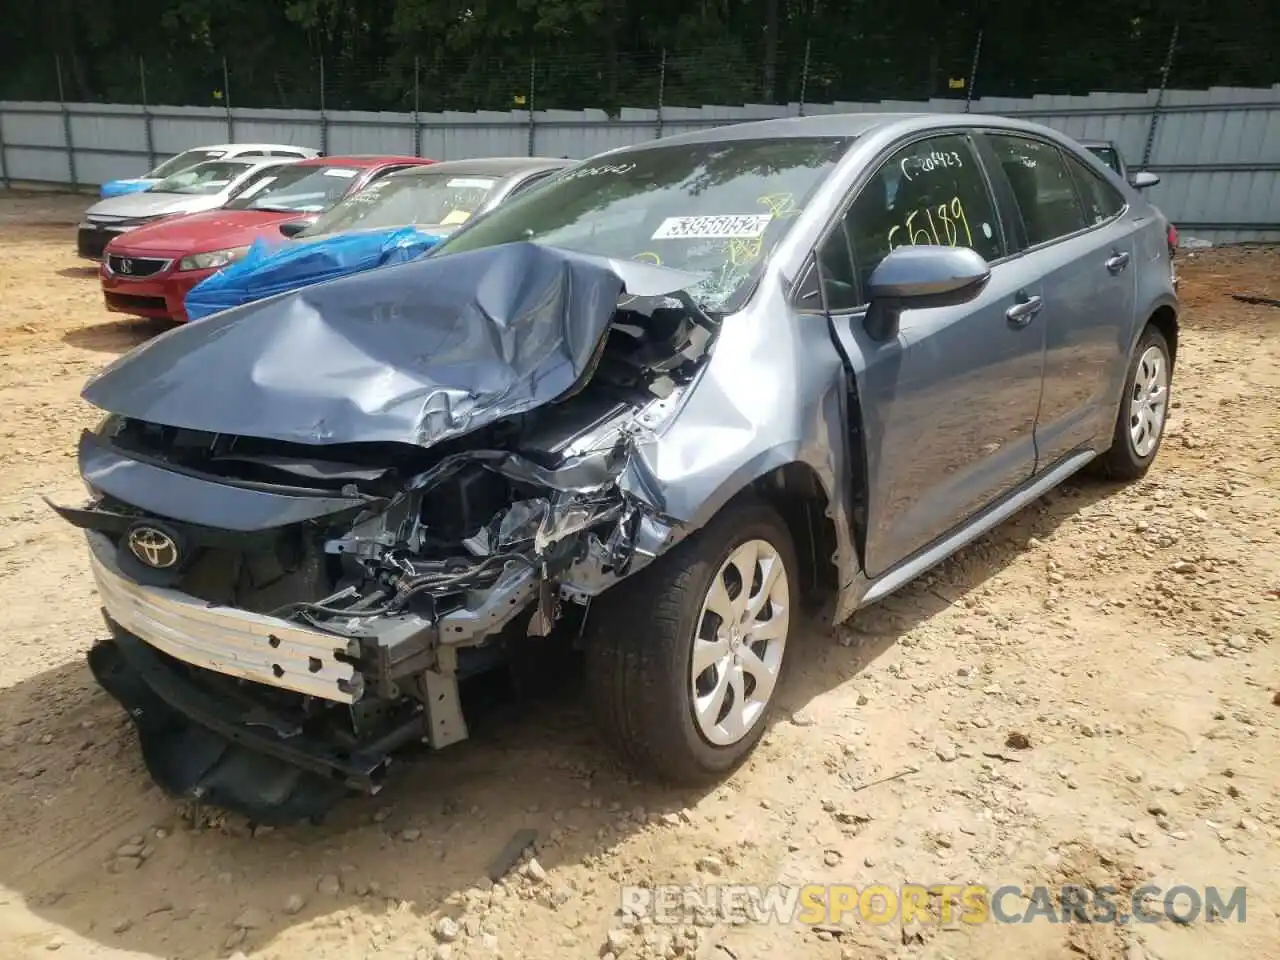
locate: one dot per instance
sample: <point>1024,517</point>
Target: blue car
<point>394,219</point>
<point>189,158</point>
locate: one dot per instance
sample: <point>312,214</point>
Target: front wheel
<point>684,658</point>
<point>1144,409</point>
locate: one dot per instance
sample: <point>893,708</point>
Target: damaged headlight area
<point>274,666</point>
<point>560,534</point>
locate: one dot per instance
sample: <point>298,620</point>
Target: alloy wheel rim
<point>1149,402</point>
<point>739,640</point>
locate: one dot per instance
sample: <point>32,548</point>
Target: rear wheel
<point>1143,411</point>
<point>684,659</point>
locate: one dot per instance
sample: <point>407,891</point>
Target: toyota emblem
<point>153,547</point>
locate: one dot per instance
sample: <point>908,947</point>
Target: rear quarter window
<point>1101,200</point>
<point>1042,185</point>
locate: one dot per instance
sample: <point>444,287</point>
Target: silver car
<point>189,158</point>
<point>205,186</point>
<point>438,198</point>
<point>644,408</point>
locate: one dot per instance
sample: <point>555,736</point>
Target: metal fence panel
<point>366,131</point>
<point>37,166</point>
<point>178,128</point>
<point>33,125</point>
<point>456,136</point>
<point>1217,150</point>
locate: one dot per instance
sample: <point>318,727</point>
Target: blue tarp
<point>276,266</point>
<point>118,188</point>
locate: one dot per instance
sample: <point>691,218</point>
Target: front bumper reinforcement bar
<point>213,749</point>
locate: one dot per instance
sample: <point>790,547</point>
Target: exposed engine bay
<point>285,615</point>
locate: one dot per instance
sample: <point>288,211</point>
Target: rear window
<point>429,199</point>
<point>711,208</point>
<point>1109,156</point>
<point>292,189</point>
<point>1101,200</point>
<point>203,179</point>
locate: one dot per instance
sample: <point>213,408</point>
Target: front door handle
<point>1118,262</point>
<point>1021,313</point>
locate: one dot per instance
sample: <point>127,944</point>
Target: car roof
<point>359,160</point>
<point>489,166</point>
<point>248,146</point>
<point>850,125</point>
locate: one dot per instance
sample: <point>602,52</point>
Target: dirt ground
<point>1090,694</point>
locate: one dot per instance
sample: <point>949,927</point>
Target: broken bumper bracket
<point>193,751</point>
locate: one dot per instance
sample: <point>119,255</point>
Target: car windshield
<point>426,198</point>
<point>710,208</point>
<point>1107,155</point>
<point>202,179</point>
<point>294,189</point>
<point>183,161</point>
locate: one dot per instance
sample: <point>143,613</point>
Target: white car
<point>206,186</point>
<point>189,158</point>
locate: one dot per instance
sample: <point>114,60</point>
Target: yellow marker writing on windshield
<point>780,204</point>
<point>744,251</point>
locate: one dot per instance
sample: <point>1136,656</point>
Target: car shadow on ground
<point>115,336</point>
<point>827,657</point>
<point>78,273</point>
<point>74,789</point>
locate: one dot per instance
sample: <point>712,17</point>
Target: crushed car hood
<point>414,353</point>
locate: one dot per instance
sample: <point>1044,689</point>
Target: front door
<point>947,409</point>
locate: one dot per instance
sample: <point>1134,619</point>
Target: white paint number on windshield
<point>740,227</point>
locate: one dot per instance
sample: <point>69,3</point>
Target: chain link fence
<point>1184,91</point>
<point>1013,58</point>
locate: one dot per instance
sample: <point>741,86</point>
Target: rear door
<point>948,408</point>
<point>1075,238</point>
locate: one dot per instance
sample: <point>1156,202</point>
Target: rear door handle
<point>1118,262</point>
<point>1020,314</point>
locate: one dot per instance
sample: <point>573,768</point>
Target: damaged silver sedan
<point>649,404</point>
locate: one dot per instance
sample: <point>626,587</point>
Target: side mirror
<point>916,277</point>
<point>1144,179</point>
<point>294,227</point>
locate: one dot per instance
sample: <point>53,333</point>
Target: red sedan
<point>148,271</point>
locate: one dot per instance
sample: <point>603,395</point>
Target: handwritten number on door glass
<point>945,225</point>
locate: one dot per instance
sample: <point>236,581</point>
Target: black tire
<point>1122,462</point>
<point>640,643</point>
